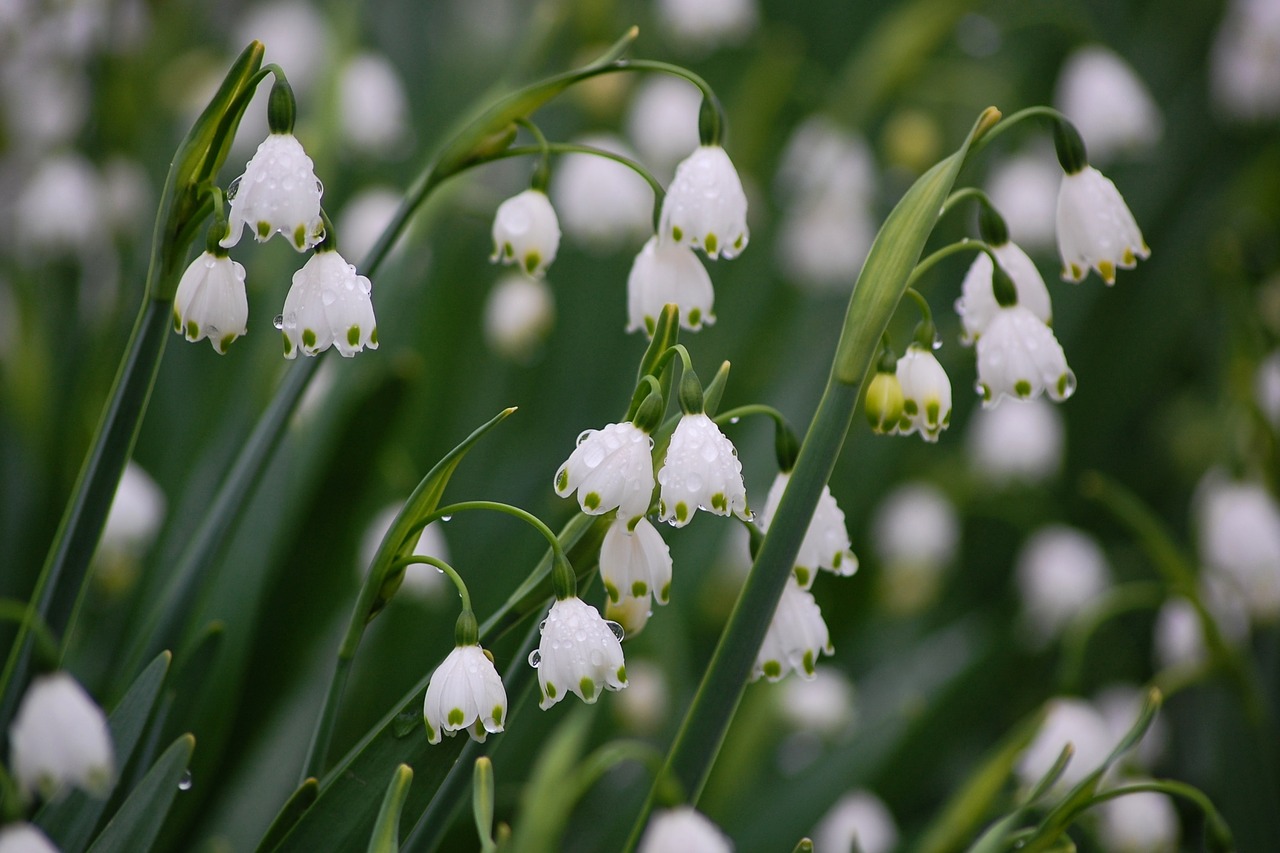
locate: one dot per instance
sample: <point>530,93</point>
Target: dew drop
<point>542,626</point>
<point>734,420</point>
<point>535,658</point>
<point>278,322</point>
<point>184,781</point>
<point>446,518</point>
<point>328,297</point>
<point>233,188</point>
<point>405,724</point>
<point>618,630</point>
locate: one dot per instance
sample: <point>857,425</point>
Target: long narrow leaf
<point>386,829</point>
<point>136,825</point>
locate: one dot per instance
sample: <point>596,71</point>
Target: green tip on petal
<point>1022,388</point>
<point>682,511</point>
<point>531,262</point>
<point>455,717</point>
<point>622,674</point>
<point>772,669</point>
<point>665,594</point>
<point>591,501</point>
<point>909,407</point>
<point>809,667</point>
<point>300,237</point>
<point>177,322</point>
<point>498,711</point>
<point>933,411</point>
<point>508,250</point>
<point>288,344</point>
<point>353,336</point>
<point>226,341</point>
<point>264,230</point>
<point>551,690</point>
<point>676,233</point>
<point>588,688</point>
<point>1107,270</point>
<point>802,575</point>
<point>737,244</point>
<point>711,244</point>
<point>611,591</point>
<point>638,589</point>
<point>719,502</point>
<point>373,338</point>
<point>695,316</point>
<point>562,480</point>
<point>308,338</point>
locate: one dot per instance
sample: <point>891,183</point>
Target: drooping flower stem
<point>424,560</point>
<point>786,447</point>
<point>966,245</point>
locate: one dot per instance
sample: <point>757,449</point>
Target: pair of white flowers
<point>329,303</point>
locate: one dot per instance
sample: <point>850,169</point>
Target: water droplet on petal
<point>734,420</point>
<point>446,518</point>
<point>618,630</point>
<point>535,658</point>
<point>184,781</point>
<point>328,297</point>
<point>278,322</point>
<point>233,188</point>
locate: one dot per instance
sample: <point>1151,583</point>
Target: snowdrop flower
<point>58,736</point>
<point>915,532</point>
<point>1179,636</point>
<point>372,103</point>
<point>668,273</point>
<point>1019,357</point>
<point>796,636</point>
<point>1239,540</point>
<point>629,611</point>
<point>1023,187</point>
<point>603,204</point>
<point>823,704</point>
<point>884,400</point>
<point>1095,228</point>
<point>701,471</point>
<point>611,468</point>
<point>858,816</point>
<point>823,161</point>
<point>663,121</point>
<point>277,194</point>
<point>579,652</point>
<point>826,540</point>
<point>635,561</point>
<point>977,305</point>
<point>423,580</point>
<point>24,838</point>
<point>465,692</point>
<point>526,232</point>
<point>1017,441</point>
<point>822,243</point>
<point>61,206</point>
<point>137,510</point>
<point>328,305</point>
<point>645,704</point>
<point>518,315</point>
<point>365,216</point>
<point>211,301</point>
<point>1244,64</point>
<point>705,207</point>
<point>1142,822</point>
<point>683,829</point>
<point>1059,571</point>
<point>926,394</point>
<point>1072,721</point>
<point>705,24</point>
<point>1108,103</point>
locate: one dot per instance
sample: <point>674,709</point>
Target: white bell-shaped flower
<point>1107,102</point>
<point>1141,822</point>
<point>611,468</point>
<point>1239,540</point>
<point>211,301</point>
<point>1018,441</point>
<point>858,816</point>
<point>60,736</point>
<point>25,838</point>
<point>701,471</point>
<point>1018,356</point>
<point>603,204</point>
<point>1244,65</point>
<point>328,305</point>
<point>465,692</point>
<point>526,232</point>
<point>977,304</point>
<point>579,652</point>
<point>518,314</point>
<point>635,562</point>
<point>926,394</point>
<point>706,207</point>
<point>1059,572</point>
<point>277,194</point>
<point>1095,228</point>
<point>1069,721</point>
<point>631,612</point>
<point>826,540</point>
<point>683,828</point>
<point>796,636</point>
<point>668,273</point>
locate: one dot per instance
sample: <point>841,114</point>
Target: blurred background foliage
<point>938,656</point>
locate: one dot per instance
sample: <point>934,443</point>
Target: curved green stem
<point>1215,825</point>
<point>659,192</point>
<point>1040,112</point>
<point>529,518</point>
<point>708,95</point>
<point>968,244</point>
<point>541,173</point>
<point>961,195</point>
<point>424,560</point>
<point>1118,601</point>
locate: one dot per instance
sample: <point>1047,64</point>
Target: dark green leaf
<point>136,825</point>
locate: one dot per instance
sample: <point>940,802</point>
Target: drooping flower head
<point>611,468</point>
<point>705,207</point>
<point>668,273</point>
<point>211,301</point>
<point>24,838</point>
<point>328,305</point>
<point>465,692</point>
<point>579,652</point>
<point>1108,102</point>
<point>526,232</point>
<point>60,736</point>
<point>683,828</point>
<point>1018,356</point>
<point>977,304</point>
<point>701,471</point>
<point>926,394</point>
<point>635,562</point>
<point>796,636</point>
<point>826,540</point>
<point>277,194</point>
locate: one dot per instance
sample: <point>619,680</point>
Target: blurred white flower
<point>1238,526</point>
<point>518,315</point>
<point>602,204</point>
<point>1095,228</point>
<point>465,692</point>
<point>45,101</point>
<point>372,104</point>
<point>578,653</point>
<point>668,273</point>
<point>822,244</point>
<point>977,305</point>
<point>826,539</point>
<point>1024,189</point>
<point>296,37</point>
<point>1019,357</point>
<point>61,207</point>
<point>706,207</point>
<point>137,511</point>
<point>1107,102</point>
<point>822,160</point>
<point>1017,441</point>
<point>328,304</point>
<point>699,25</point>
<point>1142,822</point>
<point>926,394</point>
<point>364,217</point>
<point>635,562</point>
<point>211,301</point>
<point>663,122</point>
<point>610,468</point>
<point>1059,571</point>
<point>24,838</point>
<point>645,705</point>
<point>277,194</point>
<point>526,232</point>
<point>59,736</point>
<point>700,471</point>
<point>822,704</point>
<point>1072,721</point>
<point>683,829</point>
<point>1266,388</point>
<point>1244,64</point>
<point>858,816</point>
<point>796,637</point>
<point>126,196</point>
<point>422,580</point>
<point>916,525</point>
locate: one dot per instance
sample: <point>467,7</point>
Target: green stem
<point>1040,112</point>
<point>1118,601</point>
<point>659,192</point>
<point>1215,825</point>
<point>965,245</point>
<point>13,610</point>
<point>423,560</point>
<point>961,195</point>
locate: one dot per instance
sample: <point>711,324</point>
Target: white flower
<point>421,579</point>
<point>611,468</point>
<point>635,562</point>
<point>646,703</point>
<point>526,232</point>
<point>578,652</point>
<point>1072,721</point>
<point>1019,440</point>
<point>137,510</point>
<point>663,121</point>
<point>1019,357</point>
<point>1266,388</point>
<point>277,194</point>
<point>59,736</point>
<point>704,24</point>
<point>668,273</point>
<point>603,204</point>
<point>705,207</point>
<point>518,315</point>
<point>1059,571</point>
<point>211,301</point>
<point>858,816</point>
<point>826,540</point>
<point>1107,102</point>
<point>701,471</point>
<point>1244,64</point>
<point>465,692</point>
<point>1239,537</point>
<point>916,525</point>
<point>822,161</point>
<point>1023,188</point>
<point>60,207</point>
<point>328,305</point>
<point>822,243</point>
<point>630,612</point>
<point>1095,228</point>
<point>1141,822</point>
<point>25,838</point>
<point>683,830</point>
<point>1179,636</point>
<point>796,636</point>
<point>823,704</point>
<point>926,394</point>
<point>977,306</point>
<point>372,102</point>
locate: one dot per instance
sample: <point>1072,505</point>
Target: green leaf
<point>292,812</point>
<point>482,802</point>
<point>70,822</point>
<point>136,825</point>
<point>546,799</point>
<point>386,829</point>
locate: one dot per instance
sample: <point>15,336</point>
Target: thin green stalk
<point>965,245</point>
